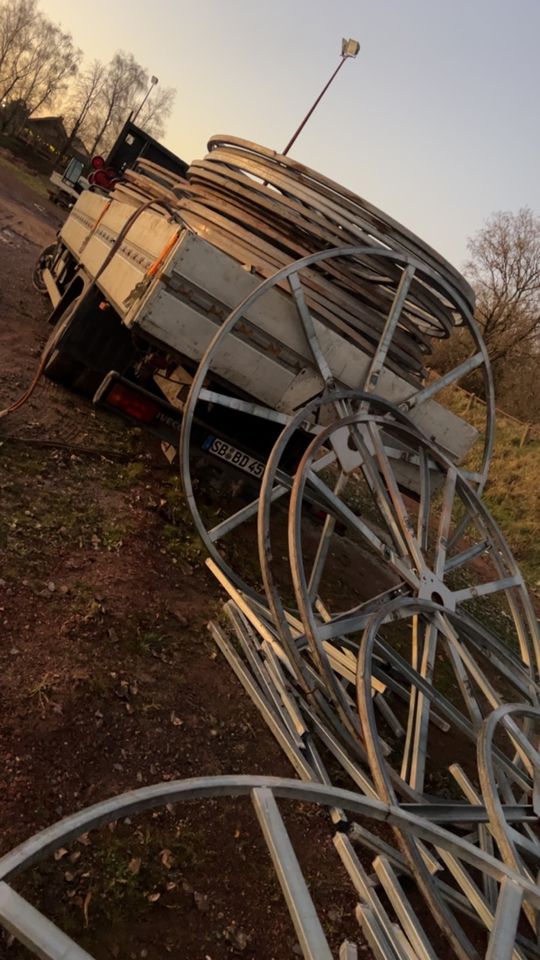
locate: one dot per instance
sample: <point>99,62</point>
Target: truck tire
<point>43,261</point>
<point>60,367</point>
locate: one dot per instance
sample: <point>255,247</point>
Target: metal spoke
<point>461,559</point>
<point>422,530</point>
<point>301,907</point>
<point>344,513</point>
<point>444,523</point>
<point>309,329</point>
<point>440,383</point>
<point>34,930</point>
<point>485,589</point>
<point>243,406</point>
<point>503,933</point>
<point>324,542</point>
<point>400,511</point>
<point>379,357</point>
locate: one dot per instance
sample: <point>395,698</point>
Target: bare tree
<point>504,269</point>
<point>518,384</point>
<point>156,111</point>
<point>53,61</point>
<point>17,22</point>
<point>124,79</point>
<point>83,100</point>
<point>37,59</point>
<point>38,62</point>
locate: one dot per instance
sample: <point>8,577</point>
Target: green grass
<point>117,875</point>
<point>35,181</point>
<point>512,493</point>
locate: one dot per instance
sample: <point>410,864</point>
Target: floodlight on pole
<point>349,49</point>
<point>153,82</point>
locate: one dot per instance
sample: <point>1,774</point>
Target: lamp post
<point>349,50</point>
<point>153,82</point>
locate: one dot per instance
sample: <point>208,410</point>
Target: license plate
<point>234,456</point>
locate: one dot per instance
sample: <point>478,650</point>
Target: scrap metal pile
<point>386,635</point>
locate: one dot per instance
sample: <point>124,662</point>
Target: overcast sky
<point>437,121</point>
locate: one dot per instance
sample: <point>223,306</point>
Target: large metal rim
<point>480,358</point>
<point>510,581</point>
<point>526,621</point>
<point>266,497</point>
<point>490,779</point>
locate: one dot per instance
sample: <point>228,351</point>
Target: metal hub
<point>434,589</point>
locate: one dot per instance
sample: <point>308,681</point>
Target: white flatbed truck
<point>136,301</point>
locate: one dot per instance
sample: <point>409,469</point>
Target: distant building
<point>49,136</point>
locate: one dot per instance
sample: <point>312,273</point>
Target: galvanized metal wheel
<point>422,546</point>
<point>320,378</point>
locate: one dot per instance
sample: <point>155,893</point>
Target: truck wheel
<point>43,261</point>
<point>60,367</point>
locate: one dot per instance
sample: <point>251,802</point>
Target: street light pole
<point>349,50</point>
<point>153,82</point>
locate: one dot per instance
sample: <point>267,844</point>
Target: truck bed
<point>193,292</point>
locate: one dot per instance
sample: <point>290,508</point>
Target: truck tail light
<point>133,403</point>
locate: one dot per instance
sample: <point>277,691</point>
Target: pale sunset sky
<point>436,121</point>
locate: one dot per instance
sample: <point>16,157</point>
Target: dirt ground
<point>109,679</point>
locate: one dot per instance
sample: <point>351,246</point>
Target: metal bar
<point>422,530</point>
<point>444,522</point>
<point>244,633</point>
<point>280,732</point>
<point>417,644</point>
<point>250,510</point>
<point>404,912</point>
<point>462,558</point>
<point>34,930</point>
<point>474,812</point>
<point>503,933</point>
<point>398,504</point>
<point>348,951</point>
<point>444,706</point>
<point>467,886</point>
<point>346,514</point>
<point>381,947</point>
<point>297,896</point>
<point>362,884</point>
<point>464,683</point>
<point>243,406</point>
<point>449,378</point>
<point>306,319</point>
<point>388,714</point>
<point>484,589</point>
<point>357,775</point>
<point>324,543</point>
<point>379,357</point>
<point>243,515</point>
<point>423,707</point>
